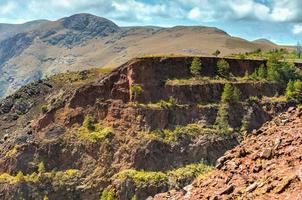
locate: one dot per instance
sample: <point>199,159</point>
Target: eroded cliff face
<point>129,127</point>
<point>267,165</point>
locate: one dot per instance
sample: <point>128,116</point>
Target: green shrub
<point>167,104</point>
<point>134,197</point>
<point>223,68</point>
<point>222,120</point>
<point>88,123</point>
<point>294,91</point>
<point>44,108</point>
<point>98,134</point>
<point>41,168</point>
<point>185,175</point>
<point>142,178</point>
<point>189,131</point>
<point>20,176</point>
<point>136,90</point>
<point>93,132</point>
<point>245,123</point>
<point>216,53</point>
<point>281,71</point>
<point>195,67</point>
<point>107,195</point>
<point>253,99</point>
<point>230,94</point>
<point>262,72</point>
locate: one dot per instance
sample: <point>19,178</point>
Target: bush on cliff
<point>230,94</point>
<point>135,90</point>
<point>223,68</point>
<point>195,67</point>
<point>107,195</point>
<point>281,71</point>
<point>294,91</point>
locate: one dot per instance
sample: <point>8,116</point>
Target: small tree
<point>223,68</point>
<point>230,94</point>
<point>294,90</point>
<point>41,168</point>
<point>136,90</point>
<point>222,122</point>
<point>236,94</point>
<point>298,90</point>
<point>195,67</point>
<point>290,89</point>
<point>107,195</point>
<point>262,72</point>
<point>216,53</point>
<point>88,123</point>
<point>273,67</point>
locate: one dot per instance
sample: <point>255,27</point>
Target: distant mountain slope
<point>265,41</point>
<point>41,48</point>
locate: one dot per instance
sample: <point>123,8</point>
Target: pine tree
<point>289,92</point>
<point>236,95</point>
<point>298,90</point>
<point>222,122</point>
<point>230,94</point>
<point>195,67</point>
<point>227,93</point>
<point>262,72</point>
<point>223,68</point>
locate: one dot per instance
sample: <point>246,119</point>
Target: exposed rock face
<point>270,167</point>
<point>117,135</point>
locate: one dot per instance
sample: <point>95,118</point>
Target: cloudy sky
<point>277,20</point>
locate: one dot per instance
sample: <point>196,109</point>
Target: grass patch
<point>275,99</point>
<point>142,178</point>
<point>209,80</point>
<point>163,104</point>
<point>57,176</point>
<point>189,131</point>
<point>78,78</point>
<point>183,176</point>
<point>176,178</point>
<point>93,132</point>
<point>12,152</point>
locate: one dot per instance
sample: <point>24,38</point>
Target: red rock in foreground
<point>267,165</point>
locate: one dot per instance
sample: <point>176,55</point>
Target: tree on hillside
<point>262,72</point>
<point>272,69</point>
<point>294,91</point>
<point>289,89</point>
<point>230,94</point>
<point>195,67</point>
<point>216,53</point>
<point>223,68</point>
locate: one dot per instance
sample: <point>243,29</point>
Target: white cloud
<point>297,29</point>
<point>8,7</point>
<point>141,11</point>
<point>195,13</point>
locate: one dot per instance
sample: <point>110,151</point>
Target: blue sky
<point>277,20</point>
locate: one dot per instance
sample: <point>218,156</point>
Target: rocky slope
<point>266,165</point>
<point>130,133</point>
<point>37,49</point>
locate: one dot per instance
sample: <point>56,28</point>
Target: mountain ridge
<point>82,41</point>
